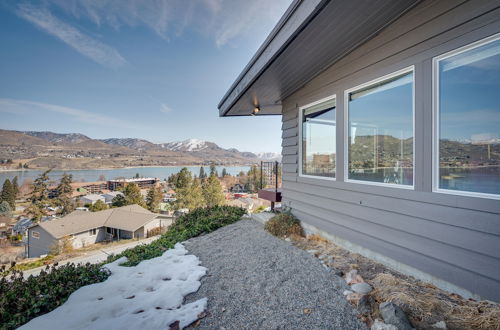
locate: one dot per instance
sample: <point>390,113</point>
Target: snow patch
<point>147,296</point>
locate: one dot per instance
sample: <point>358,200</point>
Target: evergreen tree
<point>154,198</point>
<point>119,201</point>
<point>99,205</point>
<point>5,210</point>
<point>253,179</point>
<point>213,170</point>
<point>183,179</point>
<point>8,194</point>
<point>137,175</point>
<point>39,196</point>
<point>224,172</point>
<point>212,191</point>
<point>64,194</point>
<point>190,197</point>
<point>15,186</point>
<point>133,195</point>
<point>202,175</point>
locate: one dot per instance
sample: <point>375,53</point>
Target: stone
<point>439,325</point>
<point>393,314</point>
<point>347,292</point>
<point>365,305</point>
<point>363,288</point>
<point>352,277</point>
<point>379,325</point>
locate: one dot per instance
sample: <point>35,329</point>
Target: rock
<point>363,288</point>
<point>313,252</point>
<point>439,325</point>
<point>347,292</point>
<point>365,305</point>
<point>379,325</point>
<point>337,272</point>
<point>352,277</point>
<point>393,314</point>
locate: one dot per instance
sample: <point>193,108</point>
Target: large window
<point>380,131</point>
<point>318,139</point>
<point>467,96</point>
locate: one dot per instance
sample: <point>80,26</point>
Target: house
<point>108,197</point>
<point>91,199</point>
<point>143,183</point>
<point>388,149</point>
<point>85,228</point>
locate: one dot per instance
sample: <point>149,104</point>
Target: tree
<point>8,194</point>
<point>190,197</point>
<point>133,195</point>
<point>253,179</point>
<point>154,198</point>
<point>224,172</point>
<point>5,210</point>
<point>64,194</point>
<point>212,191</point>
<point>137,176</point>
<point>39,196</point>
<point>182,179</point>
<point>119,201</point>
<point>15,186</point>
<point>213,170</point>
<point>99,205</point>
<point>202,175</point>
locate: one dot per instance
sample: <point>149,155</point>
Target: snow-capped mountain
<point>190,145</point>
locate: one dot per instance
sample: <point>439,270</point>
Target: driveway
<point>95,256</point>
<point>257,281</point>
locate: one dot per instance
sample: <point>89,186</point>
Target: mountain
<point>60,138</point>
<point>132,143</point>
<point>78,151</point>
<point>190,145</point>
<point>269,155</point>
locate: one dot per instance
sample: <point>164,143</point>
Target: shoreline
<point>113,168</point>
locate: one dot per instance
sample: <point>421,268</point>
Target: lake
<point>109,174</point>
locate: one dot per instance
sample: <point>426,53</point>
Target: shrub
<point>284,225</point>
<point>195,223</point>
<point>23,299</point>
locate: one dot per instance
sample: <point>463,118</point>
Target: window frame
<point>407,69</point>
<point>299,143</point>
<point>93,232</point>
<point>35,234</point>
<point>435,119</point>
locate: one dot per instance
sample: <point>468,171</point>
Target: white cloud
<point>165,108</point>
<point>87,46</point>
<point>220,20</point>
<point>26,107</point>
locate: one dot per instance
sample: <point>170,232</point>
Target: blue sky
<point>133,68</point>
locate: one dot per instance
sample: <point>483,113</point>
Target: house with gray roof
<point>86,228</point>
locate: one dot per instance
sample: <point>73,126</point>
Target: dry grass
<point>423,303</point>
<point>284,225</point>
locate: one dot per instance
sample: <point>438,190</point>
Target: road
<point>93,256</point>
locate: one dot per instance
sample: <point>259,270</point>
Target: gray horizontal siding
<point>455,238</point>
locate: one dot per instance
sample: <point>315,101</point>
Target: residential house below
<point>85,228</point>
<point>390,130</point>
<point>108,197</point>
<point>91,199</point>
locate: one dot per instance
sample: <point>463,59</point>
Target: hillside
<point>78,151</point>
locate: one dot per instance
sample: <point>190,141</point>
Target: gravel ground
<point>257,281</point>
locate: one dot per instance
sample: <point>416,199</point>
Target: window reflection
<point>469,120</point>
<point>380,145</point>
<point>318,140</point>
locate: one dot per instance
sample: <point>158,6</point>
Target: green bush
<point>195,223</point>
<point>284,225</point>
<point>23,299</point>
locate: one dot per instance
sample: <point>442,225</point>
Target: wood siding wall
<point>454,238</point>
